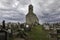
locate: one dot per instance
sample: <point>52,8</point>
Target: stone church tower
<point>31,18</point>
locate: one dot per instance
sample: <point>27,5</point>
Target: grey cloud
<point>24,2</point>
<point>51,15</point>
<point>13,10</point>
<point>46,11</point>
<point>11,15</point>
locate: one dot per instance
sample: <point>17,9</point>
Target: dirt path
<point>18,39</point>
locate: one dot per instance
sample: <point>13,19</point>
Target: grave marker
<point>3,35</point>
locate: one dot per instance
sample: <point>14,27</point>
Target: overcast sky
<point>15,10</point>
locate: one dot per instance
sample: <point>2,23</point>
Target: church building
<point>31,18</point>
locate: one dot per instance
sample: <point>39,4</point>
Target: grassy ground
<point>38,34</point>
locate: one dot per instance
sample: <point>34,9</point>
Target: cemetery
<point>12,32</point>
<point>22,32</point>
<point>19,31</point>
<point>30,30</point>
<point>53,31</point>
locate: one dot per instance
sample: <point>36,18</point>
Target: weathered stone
<point>31,18</point>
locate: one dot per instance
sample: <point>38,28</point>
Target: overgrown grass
<point>38,34</point>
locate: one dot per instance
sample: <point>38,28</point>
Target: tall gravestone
<point>3,33</point>
<point>31,18</point>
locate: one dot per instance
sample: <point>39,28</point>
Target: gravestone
<point>31,18</point>
<point>58,34</point>
<point>3,32</point>
<point>3,35</point>
<point>58,31</point>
